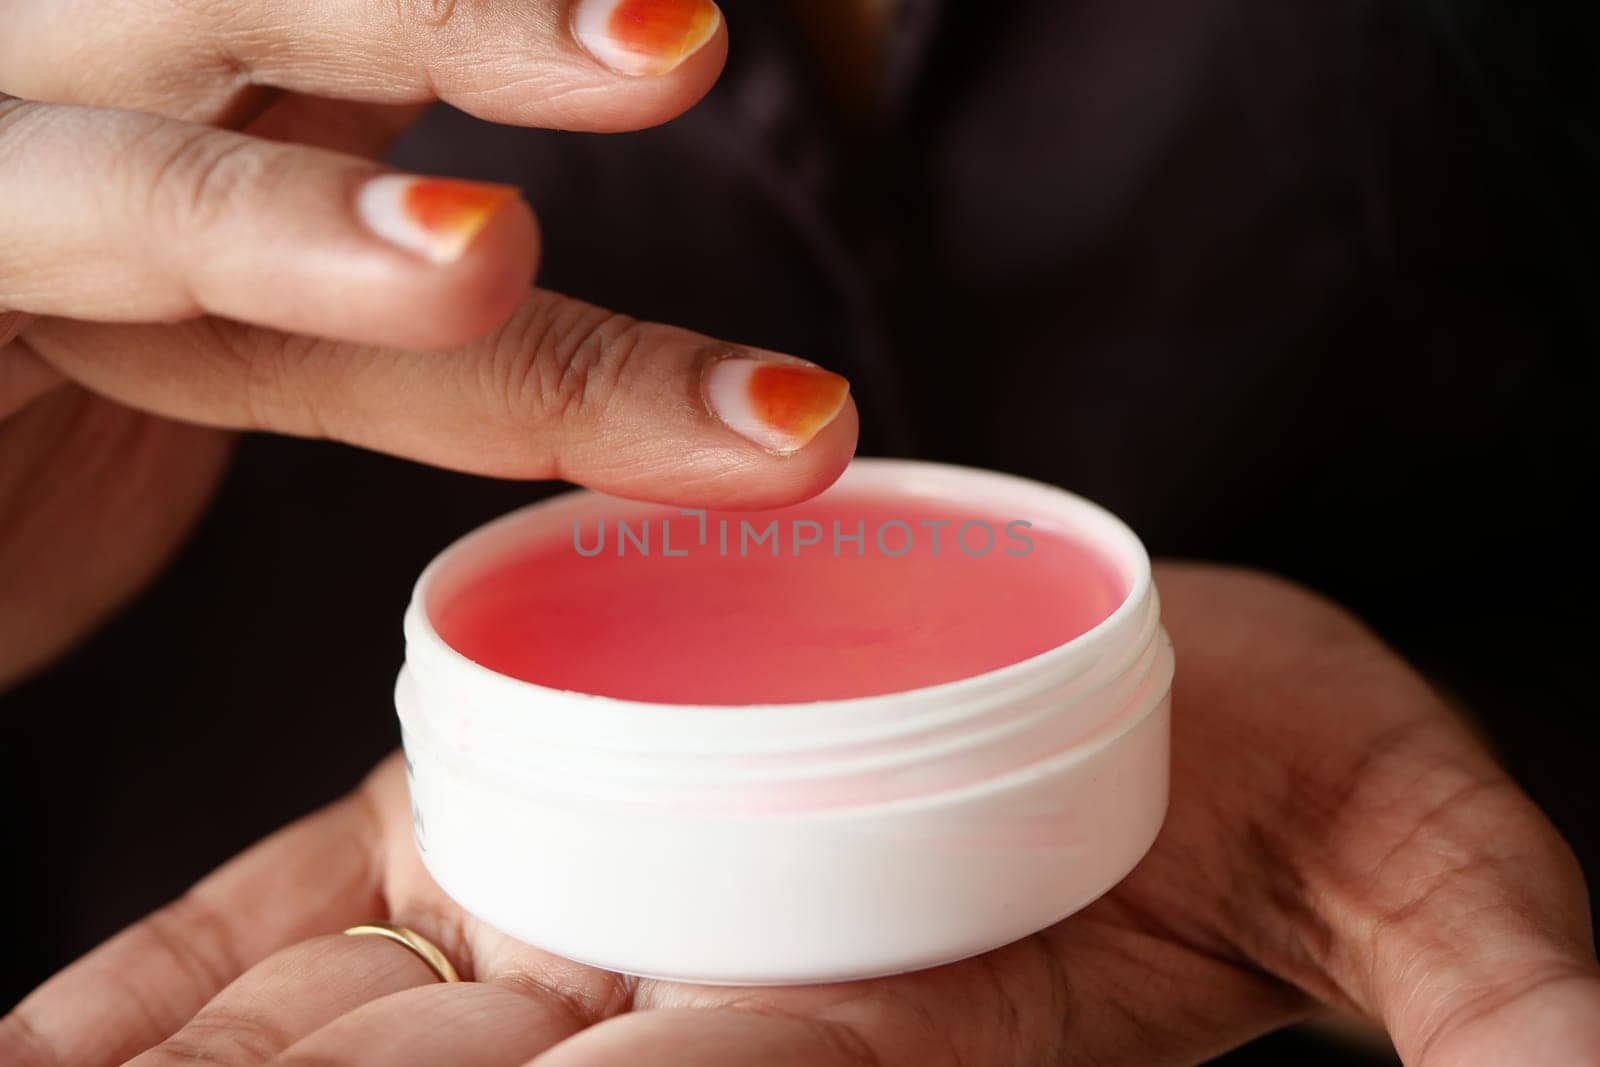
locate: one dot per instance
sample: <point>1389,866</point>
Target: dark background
<point>1308,286</point>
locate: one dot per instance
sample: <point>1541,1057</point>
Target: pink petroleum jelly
<point>846,596</point>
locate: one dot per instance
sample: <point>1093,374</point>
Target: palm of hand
<point>1335,837</point>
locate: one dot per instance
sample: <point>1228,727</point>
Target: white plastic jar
<point>793,843</point>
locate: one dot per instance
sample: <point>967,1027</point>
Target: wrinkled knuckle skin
<point>201,178</point>
<point>565,363</point>
<point>278,389</point>
<point>267,376</point>
<point>19,120</point>
<point>226,1037</point>
<point>22,1046</point>
<point>430,15</point>
<point>195,939</point>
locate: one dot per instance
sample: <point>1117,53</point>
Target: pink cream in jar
<point>914,719</point>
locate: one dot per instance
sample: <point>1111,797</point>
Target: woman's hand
<point>226,256</point>
<point>1336,838</point>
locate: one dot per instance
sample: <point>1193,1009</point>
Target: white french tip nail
<point>779,406</point>
<point>643,38</point>
<point>434,217</point>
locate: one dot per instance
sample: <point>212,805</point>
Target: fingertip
<point>442,300</point>
<point>683,420</point>
<point>644,38</point>
<point>627,71</point>
<point>482,289</point>
<point>820,463</point>
<point>737,475</point>
<point>662,94</point>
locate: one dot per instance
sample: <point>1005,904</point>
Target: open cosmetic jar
<point>914,719</point>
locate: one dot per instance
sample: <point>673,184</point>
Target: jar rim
<point>620,723</point>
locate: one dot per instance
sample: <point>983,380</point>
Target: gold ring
<point>426,950</point>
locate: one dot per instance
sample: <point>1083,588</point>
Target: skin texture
<point>203,265</point>
<point>1337,838</point>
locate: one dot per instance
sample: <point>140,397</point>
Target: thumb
<point>1478,924</point>
<point>1438,898</point>
<point>562,390</point>
<point>1378,856</point>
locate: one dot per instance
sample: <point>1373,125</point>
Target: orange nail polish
<point>437,217</point>
<point>780,406</point>
<point>645,37</point>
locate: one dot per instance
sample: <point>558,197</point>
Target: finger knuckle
<point>269,375</point>
<point>200,177</point>
<point>431,15</point>
<point>24,1045</point>
<point>20,123</point>
<point>278,384</point>
<point>195,938</point>
<point>220,1035</point>
<point>1473,1003</point>
<point>566,360</point>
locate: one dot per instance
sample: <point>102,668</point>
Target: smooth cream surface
<point>844,597</point>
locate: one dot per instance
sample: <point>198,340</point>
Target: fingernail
<point>644,37</point>
<point>780,406</point>
<point>436,217</point>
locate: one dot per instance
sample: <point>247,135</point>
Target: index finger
<point>599,65</point>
